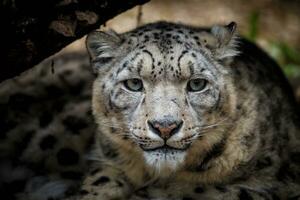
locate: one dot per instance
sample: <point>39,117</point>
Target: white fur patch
<point>163,160</point>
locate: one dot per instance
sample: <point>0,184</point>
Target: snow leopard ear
<point>221,41</point>
<point>102,46</point>
<point>226,41</point>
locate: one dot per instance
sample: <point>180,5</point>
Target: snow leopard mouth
<point>166,149</point>
<point>165,157</point>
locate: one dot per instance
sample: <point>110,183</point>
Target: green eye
<point>135,85</point>
<point>196,85</point>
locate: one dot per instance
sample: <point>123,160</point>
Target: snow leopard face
<point>162,90</point>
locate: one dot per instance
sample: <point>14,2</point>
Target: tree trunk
<point>33,30</point>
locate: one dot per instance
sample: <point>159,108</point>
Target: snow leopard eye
<point>135,85</point>
<point>196,85</point>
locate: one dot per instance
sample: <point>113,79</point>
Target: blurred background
<point>273,24</point>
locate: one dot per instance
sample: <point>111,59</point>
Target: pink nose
<point>165,132</point>
<point>165,129</point>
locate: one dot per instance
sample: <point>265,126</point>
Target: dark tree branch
<point>33,30</point>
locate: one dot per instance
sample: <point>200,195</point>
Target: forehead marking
<point>148,52</point>
<point>140,66</point>
<point>191,67</point>
<point>179,58</point>
<point>152,59</point>
<point>181,55</point>
<point>122,67</point>
<point>134,57</point>
<point>126,64</point>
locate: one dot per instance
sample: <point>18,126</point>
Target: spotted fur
<point>238,138</point>
<point>236,135</point>
<point>46,129</point>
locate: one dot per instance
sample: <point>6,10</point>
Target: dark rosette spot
<point>66,156</point>
<point>48,142</point>
<point>101,180</point>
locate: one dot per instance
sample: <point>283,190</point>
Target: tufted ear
<point>221,41</point>
<point>102,46</point>
<point>226,40</point>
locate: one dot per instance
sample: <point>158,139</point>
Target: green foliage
<point>292,71</point>
<point>253,26</point>
<point>287,57</point>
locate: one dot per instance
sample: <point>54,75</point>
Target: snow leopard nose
<point>165,128</point>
